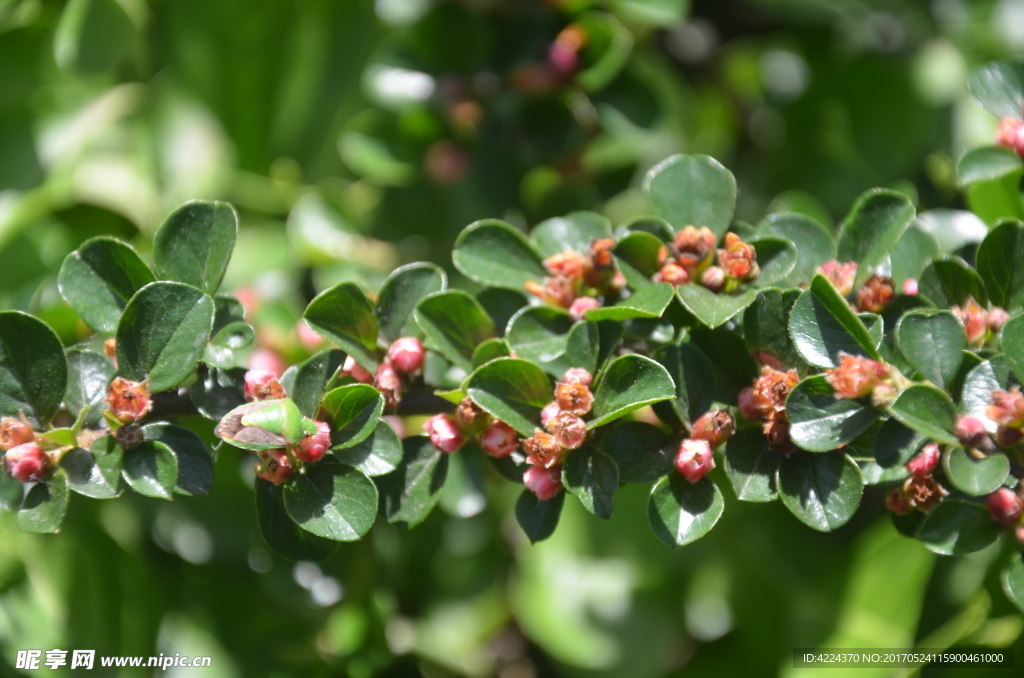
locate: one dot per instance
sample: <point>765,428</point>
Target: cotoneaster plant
<point>881,363</point>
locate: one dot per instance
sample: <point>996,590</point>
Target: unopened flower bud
<point>747,405</point>
<point>388,382</point>
<point>713,278</point>
<point>1005,507</point>
<point>856,377</point>
<point>771,390</point>
<point>110,349</point>
<point>550,411</point>
<point>14,432</point>
<point>128,400</point>
<point>543,450</point>
<point>546,483</point>
<point>499,440</point>
<point>738,259</point>
<point>975,320</point>
<point>672,273</point>
<point>556,290</point>
<point>579,308</point>
<point>896,502</point>
<point>923,491</point>
<point>444,433</point>
<point>352,369</point>
<point>601,253</point>
<point>407,355</point>
<point>1008,437</point>
<point>313,448</point>
<point>694,459</point>
<point>275,466</point>
<point>562,58</point>
<point>716,427</point>
<point>970,431</point>
<point>1018,534</point>
<point>876,294</point>
<point>1010,133</point>
<point>1007,408</point>
<point>27,462</point>
<point>568,264</point>
<point>694,246</point>
<point>910,287</point>
<point>568,430</point>
<point>841,275</point>
<point>262,385</point>
<point>574,398</point>
<point>997,317</point>
<point>925,461</point>
<point>577,375</point>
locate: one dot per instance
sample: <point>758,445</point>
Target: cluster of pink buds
<point>575,280</point>
<point>277,465</point>
<point>1010,133</point>
<point>23,458</point>
<point>920,490</point>
<point>313,448</point>
<point>1007,411</point>
<point>981,325</point>
<point>690,257</point>
<point>857,377</point>
<point>404,358</point>
<point>262,385</point>
<point>128,401</point>
<point>1006,507</point>
<point>765,401</point>
<point>874,296</point>
<point>695,457</point>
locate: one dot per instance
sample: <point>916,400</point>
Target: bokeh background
<point>356,135</point>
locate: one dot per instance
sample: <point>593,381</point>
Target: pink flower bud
<point>997,317</point>
<point>716,427</point>
<point>563,58</point>
<point>896,502</point>
<point>265,359</point>
<point>841,275</point>
<point>975,320</point>
<point>738,259</point>
<point>574,398</point>
<point>970,431</point>
<point>313,448</point>
<point>499,440</point>
<point>556,290</point>
<point>1005,507</point>
<point>568,430</point>
<point>910,287</point>
<point>444,433</point>
<point>925,461</point>
<point>672,273</point>
<point>352,369</point>
<point>694,459</point>
<point>1018,534</point>
<point>550,411</point>
<point>275,466</point>
<point>407,355</point>
<point>748,405</point>
<point>14,432</point>
<point>713,278</point>
<point>26,462</point>
<point>568,264</point>
<point>308,337</point>
<point>694,246</point>
<point>579,308</point>
<point>262,385</point>
<point>1010,133</point>
<point>856,377</point>
<point>577,375</point>
<point>388,382</point>
<point>128,400</point>
<point>543,450</point>
<point>546,483</point>
<point>1007,408</point>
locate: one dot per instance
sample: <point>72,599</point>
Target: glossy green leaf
<point>280,532</point>
<point>647,302</point>
<point>162,335</point>
<point>352,412</point>
<point>1012,579</point>
<point>195,243</point>
<point>987,163</point>
<point>776,257</point>
<point>195,464</point>
<point>217,392</point>
<point>95,472</point>
<point>933,342</point>
<point>539,333</point>
<point>714,309</point>
<point>89,374</point>
<point>637,256</point>
<point>501,305</point>
<point>43,507</point>
<point>403,289</point>
<point>223,345</point>
<point>641,451</point>
<point>629,383</point>
<point>12,491</point>
<point>1000,262</point>
<point>151,469</point>
<point>949,282</point>
<point>376,455</point>
<point>814,243</point>
<point>454,323</point>
<point>975,476</point>
<point>694,379</point>
<point>957,527</point>
<point>681,512</point>
<point>647,223</point>
<point>927,410</point>
<point>513,390</point>
<point>692,190</point>
<point>410,492</point>
<point>976,394</point>
<point>999,86</point>
<point>307,382</point>
<point>489,350</point>
<point>332,500</point>
<point>1011,339</point>
<point>33,370</point>
<point>895,444</point>
<point>593,477</point>
<point>343,314</point>
<point>872,228</point>
<point>751,466</point>
<point>575,231</point>
<point>99,278</point>
<point>914,252</point>
<point>494,253</point>
<point>822,490</point>
<point>822,325</point>
<point>766,326</point>
<point>538,518</point>
<point>821,422</point>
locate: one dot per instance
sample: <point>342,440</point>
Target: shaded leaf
<point>751,466</point>
<point>822,490</point>
<point>814,243</point>
<point>1000,263</point>
<point>593,477</point>
<point>872,228</point>
<point>343,314</point>
<point>403,289</point>
<point>513,390</point>
<point>280,532</point>
<point>332,500</point>
<point>410,492</point>
<point>949,282</point>
<point>628,383</point>
<point>694,379</point>
<point>43,507</point>
<point>957,527</point>
<point>195,463</point>
<point>681,512</point>
<point>352,412</point>
<point>377,454</point>
<point>95,472</point>
<point>99,278</point>
<point>822,325</point>
<point>89,374</point>
<point>933,342</point>
<point>455,324</point>
<point>151,469</point>
<point>538,518</point>
<point>766,326</point>
<point>640,450</point>
<point>927,410</point>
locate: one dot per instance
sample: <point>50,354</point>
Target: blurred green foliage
<point>357,135</point>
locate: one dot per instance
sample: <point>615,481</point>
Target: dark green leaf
<point>195,243</point>
<point>344,315</point>
<point>592,476</point>
<point>489,350</point>
<point>1000,262</point>
<point>895,444</point>
<point>454,323</point>
<point>822,325</point>
<point>814,243</point>
<point>977,391</point>
<point>332,500</point>
<point>766,326</point>
<point>33,370</point>
<point>872,228</point>
<point>307,384</point>
<point>627,384</point>
<point>511,467</point>
<point>99,278</point>
<point>638,255</point>
<point>692,190</point>
<point>575,231</point>
<point>282,535</point>
<point>464,488</point>
<point>376,455</point>
<point>694,380</point>
<point>933,343</point>
<point>494,253</point>
<point>999,86</point>
<point>217,392</point>
<point>714,309</point>
<point>640,450</point>
<point>195,464</point>
<point>776,257</point>
<point>352,412</point>
<point>647,302</point>
<point>1011,339</point>
<point>656,226</point>
<point>89,374</point>
<point>949,282</point>
<point>821,422</point>
<point>44,506</point>
<point>751,466</point>
<point>1013,580</point>
<point>501,305</point>
<point>151,469</point>
<point>538,518</point>
<point>913,253</point>
<point>927,410</point>
<point>221,351</point>
<point>681,512</point>
<point>974,476</point>
<point>399,295</point>
<point>993,201</point>
<point>513,390</point>
<point>987,163</point>
<point>410,492</point>
<point>95,472</point>
<point>539,333</point>
<point>822,490</point>
<point>957,527</point>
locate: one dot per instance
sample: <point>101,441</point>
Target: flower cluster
<point>404,358</point>
<point>1007,411</point>
<point>765,402</point>
<point>857,377</point>
<point>980,324</point>
<point>874,296</point>
<point>695,457</point>
<point>575,280</point>
<point>23,457</point>
<point>920,491</point>
<point>690,257</point>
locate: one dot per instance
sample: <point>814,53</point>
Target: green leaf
<point>949,282</point>
<point>378,454</point>
<point>403,289</point>
<point>593,477</point>
<point>681,512</point>
<point>44,506</point>
<point>714,309</point>
<point>957,527</point>
<point>913,253</point>
<point>455,323</point>
<point>933,343</point>
<point>752,466</point>
<point>692,190</point>
<point>89,374</point>
<point>33,370</point>
<point>814,243</point>
<point>1011,339</point>
<point>352,412</point>
<point>490,350</point>
<point>225,342</point>
<point>539,334</point>
<point>993,201</point>
<point>513,390</point>
<point>637,257</point>
<point>410,492</point>
<point>979,383</point>
<point>647,223</point>
<point>822,490</point>
<point>195,243</point>
<point>927,410</point>
<point>999,86</point>
<point>1012,579</point>
<point>872,228</point>
<point>501,305</point>
<point>766,326</point>
<point>332,500</point>
<point>987,163</point>
<point>494,253</point>
<point>646,302</point>
<point>344,315</point>
<point>162,335</point>
<point>12,491</point>
<point>776,257</point>
<point>896,444</point>
<point>1000,262</point>
<point>538,518</point>
<point>151,469</point>
<point>694,379</point>
<point>822,325</point>
<point>217,392</point>
<point>95,472</point>
<point>99,278</point>
<point>195,464</point>
<point>976,477</point>
<point>821,422</point>
<point>627,384</point>
<point>641,451</point>
<point>282,535</point>
<point>575,231</point>
<point>308,382</point>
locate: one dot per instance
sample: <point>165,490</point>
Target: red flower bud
<point>14,432</point>
<point>672,273</point>
<point>970,431</point>
<point>713,278</point>
<point>910,287</point>
<point>549,413</point>
<point>1007,408</point>
<point>841,275</point>
<point>738,259</point>
<point>1010,133</point>
<point>897,503</point>
<point>876,295</point>
<point>856,377</point>
<point>26,462</point>
<point>748,405</point>
<point>997,317</point>
<point>262,385</point>
<point>1005,507</point>
<point>543,450</point>
<point>568,430</point>
<point>694,246</point>
<point>601,253</point>
<point>499,440</point>
<point>577,375</point>
<point>407,354</point>
<point>694,459</point>
<point>579,308</point>
<point>574,398</point>
<point>388,382</point>
<point>128,400</point>
<point>444,433</point>
<point>925,461</point>
<point>275,466</point>
<point>568,264</point>
<point>716,427</point>
<point>975,320</point>
<point>352,369</point>
<point>546,483</point>
<point>313,448</point>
